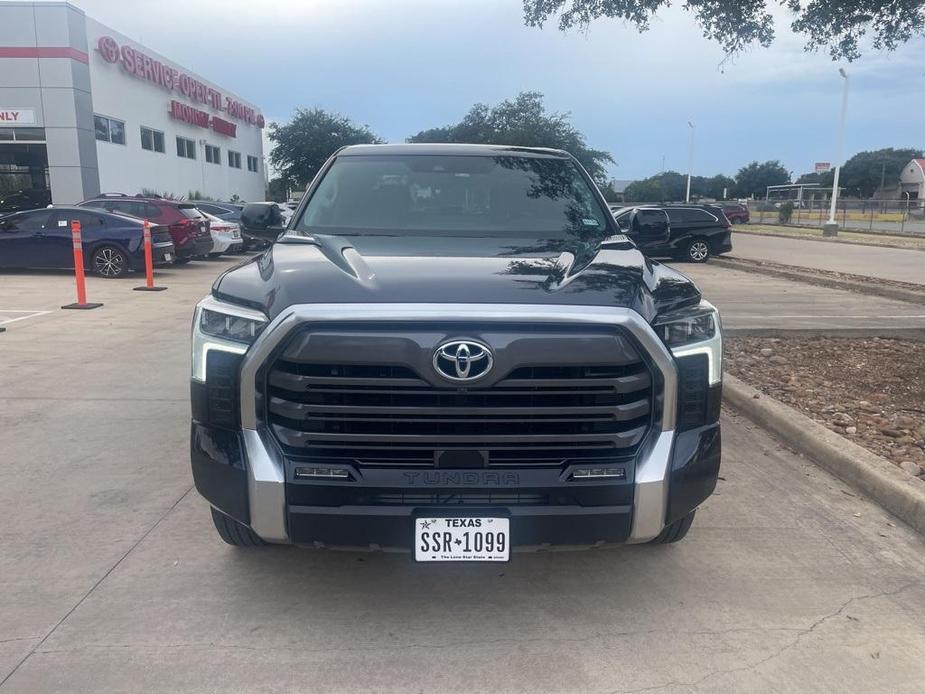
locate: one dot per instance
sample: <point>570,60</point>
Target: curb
<point>797,274</point>
<point>896,491</point>
<point>850,230</point>
<point>892,333</point>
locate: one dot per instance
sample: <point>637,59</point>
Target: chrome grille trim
<point>651,493</point>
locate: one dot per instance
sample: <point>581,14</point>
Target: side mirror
<point>649,227</point>
<point>262,220</point>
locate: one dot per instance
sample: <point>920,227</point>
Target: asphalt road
<point>898,264</point>
<point>112,578</point>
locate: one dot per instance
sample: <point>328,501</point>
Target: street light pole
<point>690,163</point>
<point>831,227</point>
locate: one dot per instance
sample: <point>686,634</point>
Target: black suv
<point>452,349</point>
<point>697,231</point>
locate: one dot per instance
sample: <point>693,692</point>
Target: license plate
<point>168,257</point>
<point>462,539</point>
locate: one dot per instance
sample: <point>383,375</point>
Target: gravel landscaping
<point>870,390</point>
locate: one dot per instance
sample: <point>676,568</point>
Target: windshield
<point>514,196</point>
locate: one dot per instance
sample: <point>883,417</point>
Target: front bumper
<point>242,472</point>
<point>377,508</point>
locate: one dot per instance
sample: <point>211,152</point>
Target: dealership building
<point>85,110</point>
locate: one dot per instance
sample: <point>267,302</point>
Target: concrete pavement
<point>873,261</point>
<point>749,300</point>
<point>112,578</point>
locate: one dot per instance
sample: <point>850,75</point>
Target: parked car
<point>188,227</point>
<point>736,213</point>
<point>697,232</point>
<point>113,244</point>
<point>30,199</point>
<point>226,236</point>
<point>487,365</point>
<point>230,212</point>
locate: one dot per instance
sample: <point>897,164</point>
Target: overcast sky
<point>401,66</point>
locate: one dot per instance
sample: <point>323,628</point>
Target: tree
<point>860,176</point>
<point>277,190</point>
<point>718,187</point>
<point>837,27</point>
<point>303,144</point>
<point>671,186</point>
<point>668,186</point>
<point>754,179</point>
<point>522,121</point>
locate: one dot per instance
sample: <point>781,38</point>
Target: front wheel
<point>697,251</point>
<point>676,531</point>
<point>234,533</point>
<point>110,262</point>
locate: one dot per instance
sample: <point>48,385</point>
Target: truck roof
<point>451,149</point>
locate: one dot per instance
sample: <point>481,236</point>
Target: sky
<point>401,66</point>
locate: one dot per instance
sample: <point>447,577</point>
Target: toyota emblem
<point>462,360</point>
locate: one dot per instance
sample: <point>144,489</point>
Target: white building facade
<point>85,110</point>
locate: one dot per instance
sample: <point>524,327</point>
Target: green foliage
<point>860,175</point>
<point>610,195</point>
<point>671,186</point>
<point>785,212</point>
<point>754,179</point>
<point>153,193</point>
<point>525,122</point>
<point>837,27</point>
<point>235,199</point>
<point>303,145</point>
<point>668,186</point>
<point>277,191</point>
<point>198,195</point>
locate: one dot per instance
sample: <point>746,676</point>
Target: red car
<point>189,228</point>
<point>737,214</point>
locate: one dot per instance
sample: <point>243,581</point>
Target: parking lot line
<point>31,314</point>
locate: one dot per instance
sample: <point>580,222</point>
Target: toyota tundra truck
<point>453,350</point>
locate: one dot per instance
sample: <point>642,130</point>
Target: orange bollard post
<point>149,263</point>
<point>79,270</point>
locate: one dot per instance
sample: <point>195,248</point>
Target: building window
<point>234,159</point>
<point>186,148</point>
<point>109,129</point>
<point>152,140</point>
<point>252,163</point>
<point>213,154</point>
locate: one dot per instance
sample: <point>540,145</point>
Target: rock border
<point>895,490</point>
<point>807,276</point>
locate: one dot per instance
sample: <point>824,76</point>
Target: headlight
<point>695,330</point>
<point>684,327</point>
<point>230,327</point>
<point>218,326</point>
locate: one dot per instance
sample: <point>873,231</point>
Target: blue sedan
<point>113,244</point>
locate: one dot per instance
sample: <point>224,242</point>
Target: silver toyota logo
<point>463,360</point>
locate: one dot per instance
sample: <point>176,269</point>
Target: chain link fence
<point>896,216</point>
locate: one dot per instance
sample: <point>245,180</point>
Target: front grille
<point>501,498</point>
<point>389,415</point>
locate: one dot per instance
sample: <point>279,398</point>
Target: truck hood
<point>428,269</point>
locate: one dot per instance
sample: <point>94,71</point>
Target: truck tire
<point>676,531</point>
<point>234,533</point>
